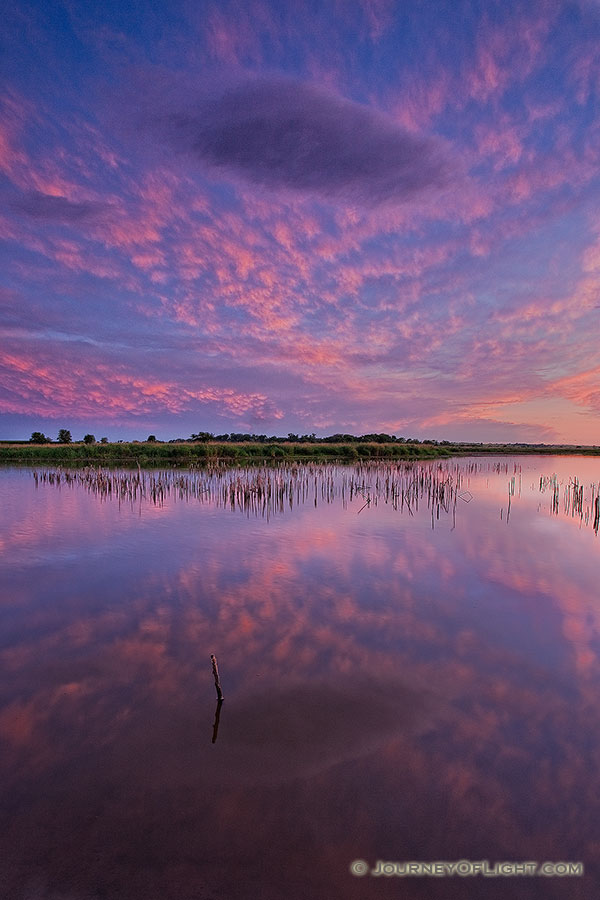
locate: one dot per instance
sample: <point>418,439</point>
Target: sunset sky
<point>339,215</point>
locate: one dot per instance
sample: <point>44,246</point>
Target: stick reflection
<point>216,722</point>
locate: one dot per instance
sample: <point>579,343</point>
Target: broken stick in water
<point>215,669</point>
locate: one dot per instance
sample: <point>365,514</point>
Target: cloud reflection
<point>383,679</point>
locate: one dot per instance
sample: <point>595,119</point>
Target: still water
<point>410,665</point>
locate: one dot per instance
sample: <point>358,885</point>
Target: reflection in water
<point>217,720</point>
<point>394,691</point>
<point>301,729</point>
<point>265,490</point>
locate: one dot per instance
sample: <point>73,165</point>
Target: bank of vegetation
<point>201,450</point>
<point>185,453</point>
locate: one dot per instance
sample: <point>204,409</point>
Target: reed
<point>270,489</point>
<point>576,501</point>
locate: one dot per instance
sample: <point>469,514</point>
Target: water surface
<point>405,679</point>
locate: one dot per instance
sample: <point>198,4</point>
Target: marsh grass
<point>268,489</point>
<point>184,454</point>
<point>577,501</point>
<point>264,489</point>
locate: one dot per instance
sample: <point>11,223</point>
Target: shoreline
<point>202,453</point>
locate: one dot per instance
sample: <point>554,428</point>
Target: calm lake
<point>409,658</point>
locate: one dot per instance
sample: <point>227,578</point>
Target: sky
<point>339,215</point>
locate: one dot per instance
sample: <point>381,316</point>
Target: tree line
<point>338,438</point>
<point>65,437</point>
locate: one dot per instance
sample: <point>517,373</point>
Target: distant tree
<point>293,437</point>
<point>377,438</point>
<point>38,437</point>
<point>151,439</point>
<point>339,438</point>
<point>64,436</point>
<point>104,440</point>
<point>239,437</point>
<point>89,439</point>
<point>203,436</point>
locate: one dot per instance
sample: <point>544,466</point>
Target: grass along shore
<point>186,453</point>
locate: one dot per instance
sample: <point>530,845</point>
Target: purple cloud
<point>58,209</point>
<point>284,134</point>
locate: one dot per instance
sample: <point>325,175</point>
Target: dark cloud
<point>313,727</point>
<point>284,134</point>
<point>58,209</point>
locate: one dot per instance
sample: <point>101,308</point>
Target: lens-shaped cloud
<point>284,134</point>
